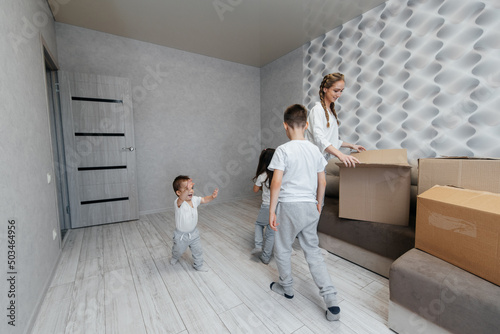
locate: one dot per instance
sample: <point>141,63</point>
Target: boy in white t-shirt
<point>186,233</point>
<point>297,190</point>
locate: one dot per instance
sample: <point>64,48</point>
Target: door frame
<point>57,141</point>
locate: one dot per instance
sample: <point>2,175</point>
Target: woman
<point>323,129</point>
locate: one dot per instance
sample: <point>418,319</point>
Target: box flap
<point>463,157</point>
<point>474,174</point>
<point>473,199</point>
<point>387,158</point>
<point>376,165</point>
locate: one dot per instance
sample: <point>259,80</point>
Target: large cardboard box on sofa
<point>462,227</point>
<point>469,173</point>
<point>377,189</point>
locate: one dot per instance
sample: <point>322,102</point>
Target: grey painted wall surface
<point>26,155</point>
<point>420,75</point>
<point>210,118</point>
<point>281,86</point>
<point>193,114</point>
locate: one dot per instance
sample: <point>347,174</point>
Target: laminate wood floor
<point>117,278</point>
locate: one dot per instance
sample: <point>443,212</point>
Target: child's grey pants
<point>300,219</point>
<point>192,239</point>
<point>261,224</point>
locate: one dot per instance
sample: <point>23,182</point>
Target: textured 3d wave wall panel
<point>421,75</point>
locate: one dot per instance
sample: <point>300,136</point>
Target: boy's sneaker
<point>256,250</point>
<point>173,261</point>
<point>333,313</point>
<point>276,287</point>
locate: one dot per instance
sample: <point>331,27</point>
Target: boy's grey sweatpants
<point>300,220</point>
<point>183,240</point>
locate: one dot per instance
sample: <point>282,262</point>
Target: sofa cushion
<point>444,294</point>
<point>332,168</point>
<point>332,186</point>
<point>387,240</point>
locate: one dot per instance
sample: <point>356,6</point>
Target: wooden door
<point>99,148</point>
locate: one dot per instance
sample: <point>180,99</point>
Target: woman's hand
<point>347,160</point>
<point>357,148</point>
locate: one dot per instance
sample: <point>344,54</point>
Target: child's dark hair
<point>264,161</point>
<point>178,180</point>
<point>295,115</point>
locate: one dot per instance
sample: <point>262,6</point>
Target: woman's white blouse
<point>319,134</point>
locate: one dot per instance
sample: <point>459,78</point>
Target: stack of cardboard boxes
<point>458,204</point>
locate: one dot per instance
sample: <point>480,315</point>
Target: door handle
<point>128,148</point>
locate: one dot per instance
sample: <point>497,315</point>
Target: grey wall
<point>193,114</point>
<point>280,86</point>
<point>26,158</point>
<point>422,75</point>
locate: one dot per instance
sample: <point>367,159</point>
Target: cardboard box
<point>377,189</point>
<point>462,227</point>
<point>463,172</point>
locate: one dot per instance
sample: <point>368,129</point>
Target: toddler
<point>186,233</point>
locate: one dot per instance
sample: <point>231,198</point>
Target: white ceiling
<point>251,32</point>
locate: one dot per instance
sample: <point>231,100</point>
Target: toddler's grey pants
<point>183,240</point>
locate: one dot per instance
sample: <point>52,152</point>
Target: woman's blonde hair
<point>328,82</point>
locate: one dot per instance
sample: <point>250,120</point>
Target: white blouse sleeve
<point>318,129</point>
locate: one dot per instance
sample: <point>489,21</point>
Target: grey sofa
<point>371,245</point>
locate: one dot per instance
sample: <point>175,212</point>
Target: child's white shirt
<point>300,161</point>
<point>266,192</point>
<point>186,217</point>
